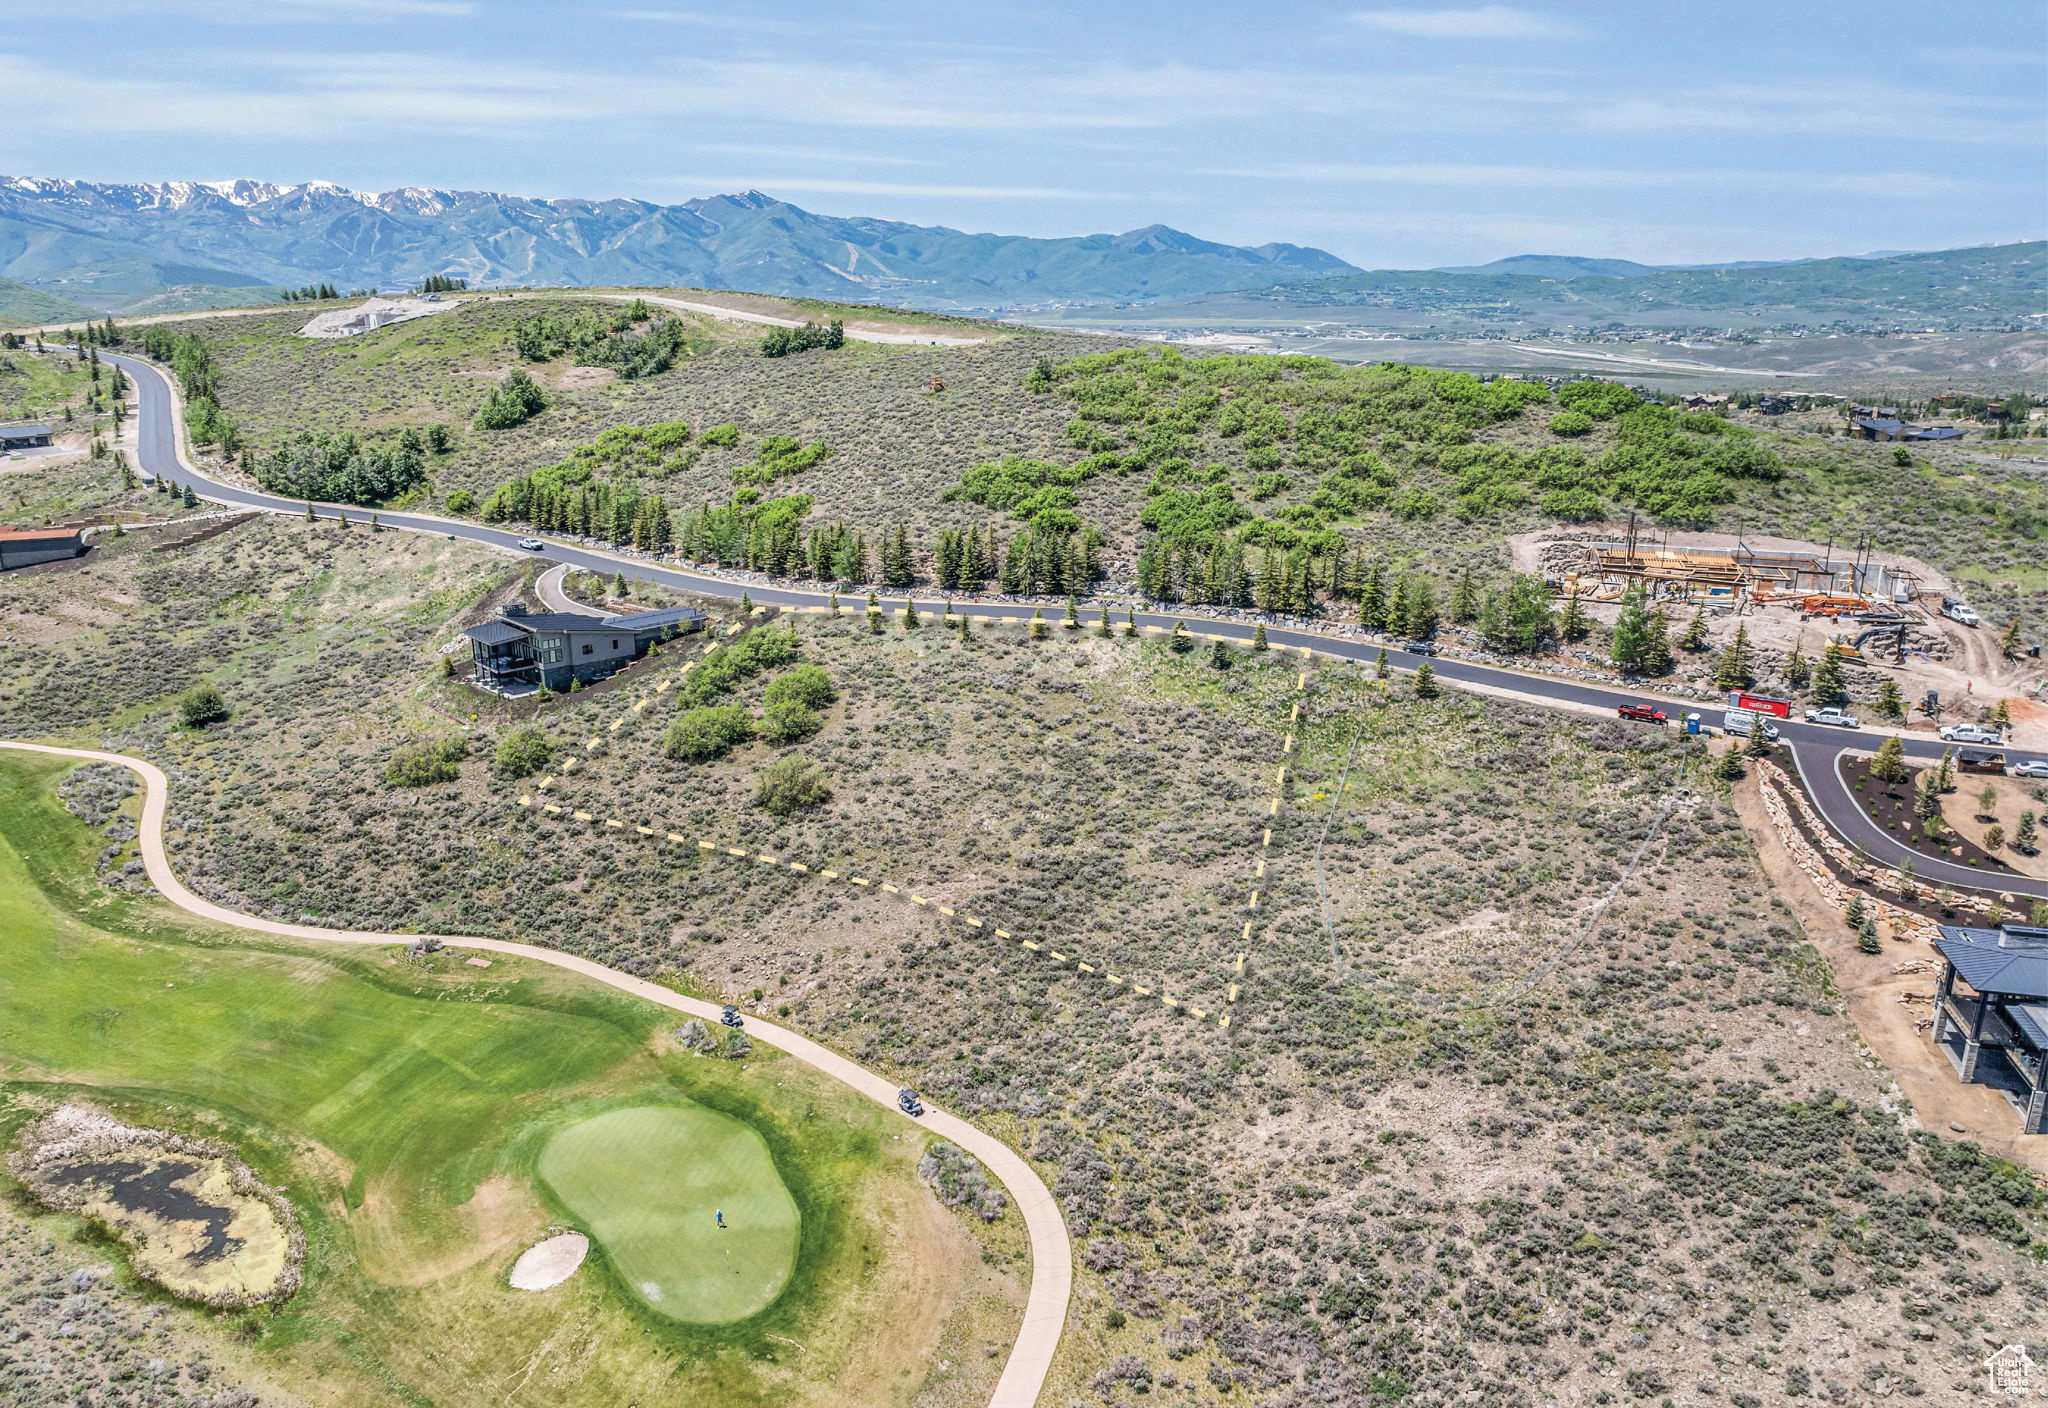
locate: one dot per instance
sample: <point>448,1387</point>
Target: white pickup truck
<point>1956,611</point>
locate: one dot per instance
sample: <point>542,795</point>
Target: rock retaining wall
<point>1775,788</point>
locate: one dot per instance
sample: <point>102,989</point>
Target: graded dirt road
<point>1052,1265</point>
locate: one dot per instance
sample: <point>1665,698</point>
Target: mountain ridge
<point>88,238</point>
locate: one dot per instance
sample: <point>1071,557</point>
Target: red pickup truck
<point>1642,713</point>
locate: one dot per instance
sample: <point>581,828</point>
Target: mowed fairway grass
<point>405,1108</point>
<point>649,1183</point>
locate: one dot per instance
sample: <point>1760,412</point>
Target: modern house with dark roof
<point>523,652</point>
<point>22,437</point>
<point>24,547</point>
<point>1887,428</point>
<point>1991,1013</point>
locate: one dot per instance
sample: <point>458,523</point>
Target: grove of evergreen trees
<point>782,342</point>
<point>514,401</point>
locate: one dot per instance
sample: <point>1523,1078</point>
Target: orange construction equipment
<point>1827,604</point>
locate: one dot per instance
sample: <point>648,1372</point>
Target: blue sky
<point>1394,135</point>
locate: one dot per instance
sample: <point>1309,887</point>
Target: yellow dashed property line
<point>542,785</point>
<point>762,858</point>
<point>1266,835</point>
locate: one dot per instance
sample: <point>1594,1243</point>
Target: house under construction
<point>1732,574</point>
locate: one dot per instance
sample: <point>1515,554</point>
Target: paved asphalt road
<point>1820,767</point>
<point>158,455</point>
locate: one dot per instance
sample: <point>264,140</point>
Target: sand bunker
<point>550,1263</point>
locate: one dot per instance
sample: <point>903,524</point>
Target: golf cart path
<point>1045,1311</point>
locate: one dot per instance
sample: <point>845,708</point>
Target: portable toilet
<point>1692,723</point>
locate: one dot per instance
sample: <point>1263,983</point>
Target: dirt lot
<point>1890,998</point>
<point>1964,810</point>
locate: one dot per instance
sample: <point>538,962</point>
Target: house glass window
<point>551,652</point>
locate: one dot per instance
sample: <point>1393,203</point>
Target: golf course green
<point>648,1184</point>
<point>428,1120</point>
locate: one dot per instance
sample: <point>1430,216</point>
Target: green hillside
<point>22,306</point>
<point>1987,288</point>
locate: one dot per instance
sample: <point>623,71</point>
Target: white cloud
<point>825,186</point>
<point>267,12</point>
<point>1484,22</point>
<point>1457,176</point>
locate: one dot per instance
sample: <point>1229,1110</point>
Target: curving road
<point>158,452</point>
<point>1045,1311</point>
<point>1821,770</point>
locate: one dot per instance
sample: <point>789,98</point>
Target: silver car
<point>2037,767</point>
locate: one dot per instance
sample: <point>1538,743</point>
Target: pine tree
<point>1830,682</point>
<point>1130,622</point>
<point>1266,594</point>
<point>1379,666</point>
<point>832,601</point>
<point>1102,624</point>
<point>1855,913</point>
<point>874,614</point>
<point>1180,642</point>
<point>1072,621</point>
<point>1419,617</point>
<point>1759,744</point>
<point>1372,599</point>
<point>1730,768</point>
<point>910,618</point>
<point>1889,766</point>
<point>1798,671</point>
<point>1396,615</point>
<point>1867,940</point>
<point>1038,626</point>
<point>2025,833</point>
<point>1890,703</point>
<point>190,499</point>
<point>1259,637</point>
<point>1572,625</point>
<point>309,508</point>
<point>1425,682</point>
<point>1657,646</point>
<point>2009,643</point>
<point>619,585</point>
<point>898,567</point>
<point>1733,670</point>
<point>2001,714</point>
<point>1219,656</point>
<point>1695,634</point>
<point>1464,599</point>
